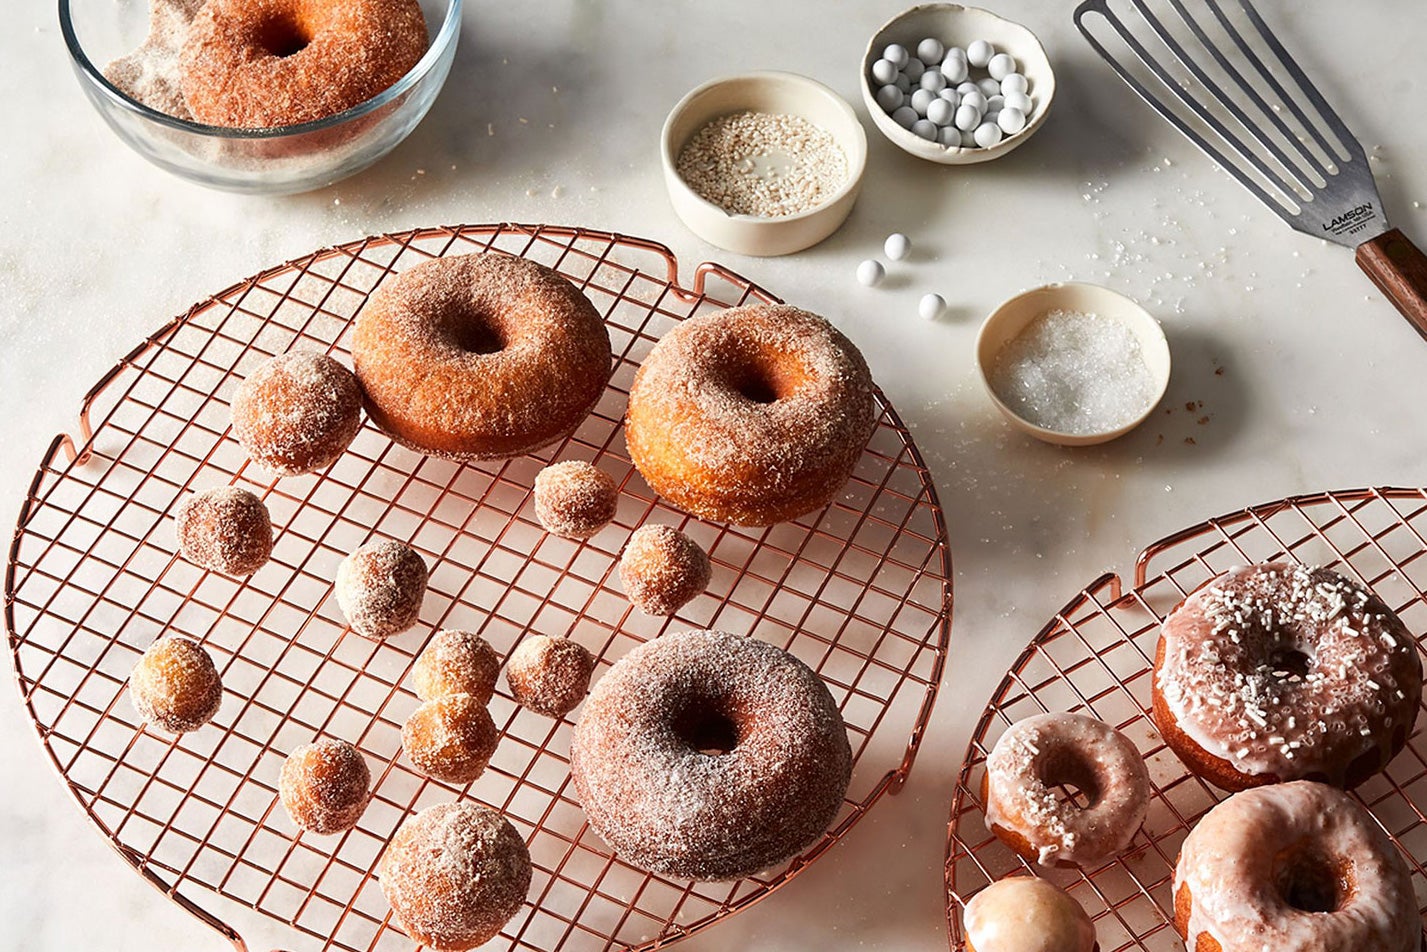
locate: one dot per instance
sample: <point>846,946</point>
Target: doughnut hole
<point>282,35</point>
<point>1310,881</point>
<point>1073,780</point>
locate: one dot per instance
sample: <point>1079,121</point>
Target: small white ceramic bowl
<point>956,25</point>
<point>1012,317</point>
<point>770,92</point>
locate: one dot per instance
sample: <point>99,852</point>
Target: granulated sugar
<point>150,73</point>
<point>765,165</point>
<point>1074,373</point>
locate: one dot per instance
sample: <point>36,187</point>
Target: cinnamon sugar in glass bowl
<point>274,161</point>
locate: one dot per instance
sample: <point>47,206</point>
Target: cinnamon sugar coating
<point>575,499</point>
<point>225,529</point>
<point>175,685</point>
<point>753,415</point>
<point>456,662</point>
<point>451,738</point>
<point>662,570</point>
<point>380,587</point>
<point>710,756</point>
<point>550,676</point>
<point>481,356</point>
<point>455,874</point>
<point>297,412</point>
<point>325,786</point>
<point>261,64</point>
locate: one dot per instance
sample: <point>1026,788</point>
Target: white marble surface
<point>1322,383</point>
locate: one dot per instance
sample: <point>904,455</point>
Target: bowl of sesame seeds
<point>764,163</point>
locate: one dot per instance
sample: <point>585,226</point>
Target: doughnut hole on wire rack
<point>550,676</point>
<point>451,738</point>
<point>662,569</point>
<point>325,785</point>
<point>456,662</point>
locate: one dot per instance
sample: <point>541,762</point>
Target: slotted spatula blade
<point>1261,119</point>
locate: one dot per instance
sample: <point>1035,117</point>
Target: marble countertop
<point>1307,377</point>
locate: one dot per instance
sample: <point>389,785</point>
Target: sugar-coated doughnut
<point>455,874</point>
<point>380,587</point>
<point>325,786</point>
<point>225,529</point>
<point>550,676</point>
<point>261,64</point>
<point>1025,914</point>
<point>575,499</point>
<point>753,415</point>
<point>1293,867</point>
<point>297,412</point>
<point>480,356</point>
<point>1035,756</point>
<point>662,569</point>
<point>1277,672</point>
<point>456,662</point>
<point>175,685</point>
<point>707,755</point>
<point>451,738</point>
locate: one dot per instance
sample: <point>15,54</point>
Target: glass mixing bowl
<point>262,161</point>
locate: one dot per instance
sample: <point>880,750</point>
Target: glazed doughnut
<point>1025,914</point>
<point>753,415</point>
<point>456,662</point>
<point>550,676</point>
<point>455,874</point>
<point>1276,672</point>
<point>261,64</point>
<point>662,570</point>
<point>481,356</point>
<point>574,499</point>
<point>324,786</point>
<point>380,587</point>
<point>297,412</point>
<point>1039,753</point>
<point>451,738</point>
<point>225,529</point>
<point>1293,867</point>
<point>175,685</point>
<point>710,756</point>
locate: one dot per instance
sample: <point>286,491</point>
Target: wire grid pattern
<point>860,591</point>
<point>1097,656</point>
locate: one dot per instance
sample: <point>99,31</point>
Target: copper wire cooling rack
<point>1096,655</point>
<point>861,591</point>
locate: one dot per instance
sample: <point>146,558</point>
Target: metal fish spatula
<point>1223,79</point>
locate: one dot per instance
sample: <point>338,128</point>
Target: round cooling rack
<point>861,591</point>
<point>1097,656</point>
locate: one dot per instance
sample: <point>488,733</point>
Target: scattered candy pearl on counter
<point>870,273</point>
<point>931,306</point>
<point>1000,66</point>
<point>1011,120</point>
<point>930,51</point>
<point>890,98</point>
<point>904,116</point>
<point>897,246</point>
<point>926,129</point>
<point>978,52</point>
<point>988,134</point>
<point>897,54</point>
<point>884,71</point>
<point>1014,83</point>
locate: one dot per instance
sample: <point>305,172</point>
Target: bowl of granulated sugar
<point>765,163</point>
<point>1073,364</point>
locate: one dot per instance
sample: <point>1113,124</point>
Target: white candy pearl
<point>931,306</point>
<point>989,87</point>
<point>1011,120</point>
<point>941,112</point>
<point>1000,66</point>
<point>995,103</point>
<point>968,139</point>
<point>951,96</point>
<point>975,100</point>
<point>930,51</point>
<point>987,134</point>
<point>870,273</point>
<point>968,117</point>
<point>955,69</point>
<point>914,70</point>
<point>898,54</point>
<point>903,83</point>
<point>897,246</point>
<point>904,116</point>
<point>1015,83</point>
<point>925,129</point>
<point>884,71</point>
<point>921,99</point>
<point>1019,101</point>
<point>978,53</point>
<point>968,87</point>
<point>933,80</point>
<point>889,98</point>
<point>949,136</point>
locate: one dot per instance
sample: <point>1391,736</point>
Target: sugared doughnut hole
<point>1311,882</point>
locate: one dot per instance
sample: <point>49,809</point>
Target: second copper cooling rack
<point>860,591</point>
<point>1096,655</point>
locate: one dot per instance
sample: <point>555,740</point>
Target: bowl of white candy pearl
<point>956,84</point>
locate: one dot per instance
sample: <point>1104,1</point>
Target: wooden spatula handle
<point>1399,270</point>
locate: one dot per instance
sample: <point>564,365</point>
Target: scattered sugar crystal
<point>1074,373</point>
